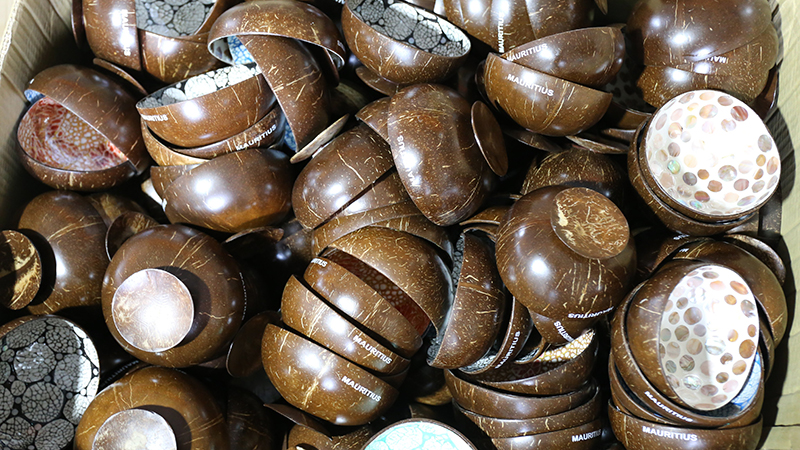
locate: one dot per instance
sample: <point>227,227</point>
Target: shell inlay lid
<point>708,337</point>
<point>711,153</point>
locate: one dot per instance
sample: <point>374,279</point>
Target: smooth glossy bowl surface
<point>667,32</point>
<point>547,231</point>
<point>587,56</point>
<point>75,262</point>
<point>308,314</point>
<point>234,192</point>
<point>208,271</point>
<point>540,102</point>
<point>435,152</point>
<point>185,403</point>
<point>361,303</point>
<point>339,172</point>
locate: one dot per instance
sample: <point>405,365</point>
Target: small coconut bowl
<point>330,181</point>
<point>163,153</point>
<point>308,314</point>
<point>363,304</point>
<point>72,264</point>
<point>670,217</point>
<point>637,434</point>
<point>436,153</point>
<point>231,193</point>
<point>505,405</point>
<point>263,134</point>
<point>321,383</point>
<point>475,318</point>
<point>249,33</point>
<point>684,328</point>
<point>540,102</point>
<point>95,144</point>
<point>207,108</point>
<point>201,276</point>
<point>743,410</point>
<point>587,56</point>
<point>682,157</point>
<point>403,43</point>
<point>504,26</point>
<point>530,268</point>
<point>189,409</point>
<point>508,428</point>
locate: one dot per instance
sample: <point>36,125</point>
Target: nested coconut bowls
<point>730,47</point>
<point>694,333</point>
<point>207,108</point>
<point>353,322</point>
<point>166,41</point>
<point>708,159</point>
<point>231,193</point>
<point>80,133</point>
<point>403,43</point>
<point>290,41</point>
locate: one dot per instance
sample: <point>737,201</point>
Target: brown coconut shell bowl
<point>290,41</point>
<point>165,408</point>
<point>506,25</point>
<point>545,237</point>
<point>48,270</point>
<point>540,102</point>
<point>351,183</point>
<point>361,309</point>
<point>402,42</point>
<point>80,132</point>
<point>231,193</point>
<point>698,193</point>
<point>651,404</point>
<point>207,108</point>
<point>183,277</point>
<point>142,35</point>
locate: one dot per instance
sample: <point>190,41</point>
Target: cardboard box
<point>38,35</point>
